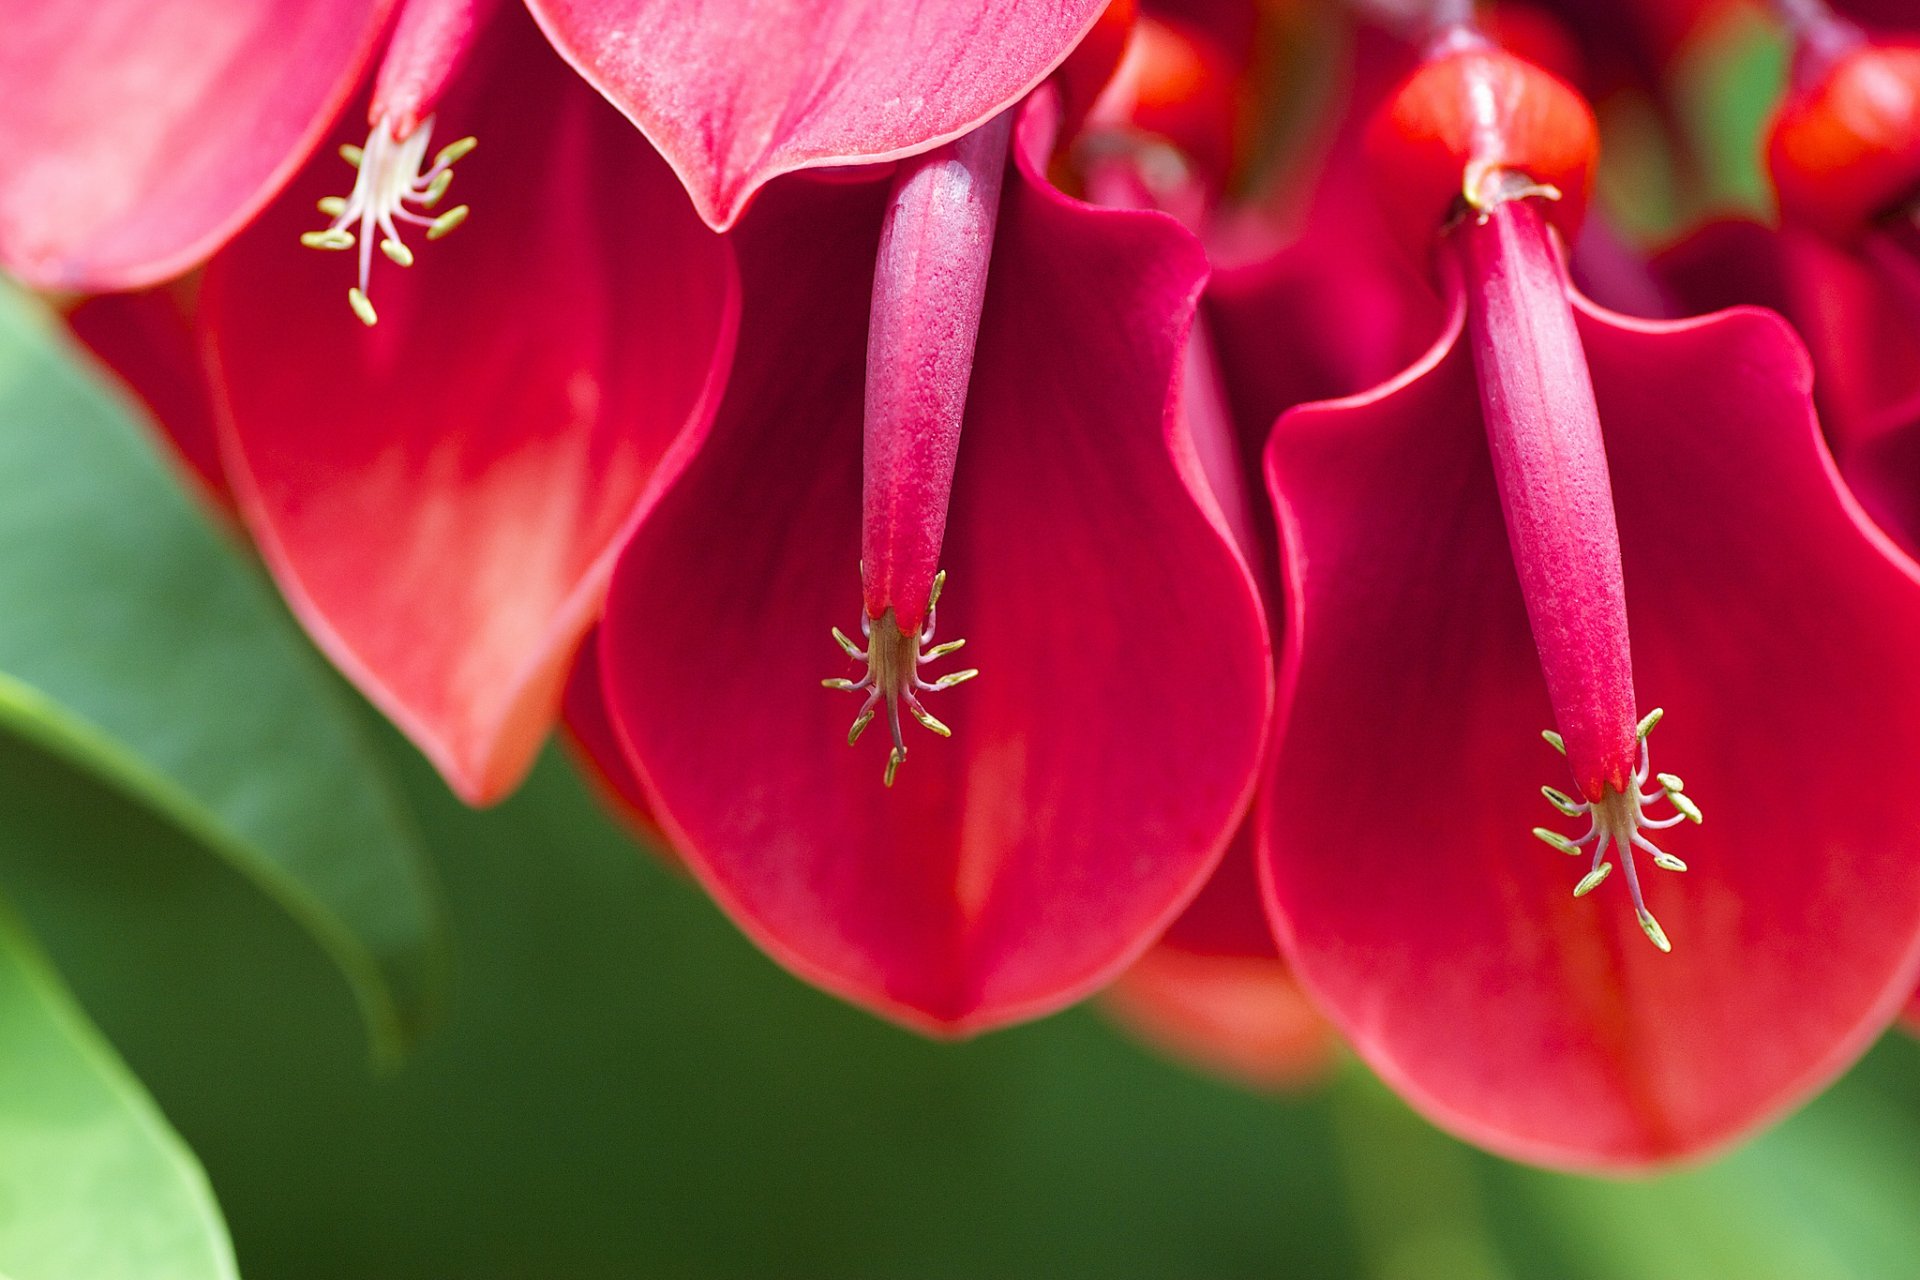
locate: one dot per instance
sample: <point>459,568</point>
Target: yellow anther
<point>361,307</point>
<point>397,253</point>
<point>447,221</point>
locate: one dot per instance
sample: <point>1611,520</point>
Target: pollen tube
<point>1543,429</point>
<point>929,284</point>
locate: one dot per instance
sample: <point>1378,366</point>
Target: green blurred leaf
<point>136,641</point>
<point>93,1183</point>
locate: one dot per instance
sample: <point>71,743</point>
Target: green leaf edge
<point>92,1044</point>
<point>46,723</point>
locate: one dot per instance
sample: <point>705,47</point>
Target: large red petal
<point>140,134</point>
<point>440,496</point>
<point>734,93</point>
<point>1098,764</point>
<point>1768,619</point>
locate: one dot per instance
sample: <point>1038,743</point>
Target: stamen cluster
<point>391,188</point>
<point>1618,817</point>
<point>894,658</point>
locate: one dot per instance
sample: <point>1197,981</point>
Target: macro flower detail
<point>393,181</point>
<point>1043,847</point>
<point>929,283</point>
<point>1462,545</point>
<point>441,497</point>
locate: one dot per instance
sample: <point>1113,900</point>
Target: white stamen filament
<point>391,188</point>
<point>1618,818</point>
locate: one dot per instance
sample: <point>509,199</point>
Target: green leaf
<point>139,643</point>
<point>94,1185</point>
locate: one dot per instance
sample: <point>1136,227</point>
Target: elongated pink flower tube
<point>929,283</point>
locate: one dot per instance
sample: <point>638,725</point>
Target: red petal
<point>828,81</point>
<point>140,134</point>
<point>1100,761</point>
<point>1768,619</point>
<point>596,748</point>
<point>1860,318</point>
<point>1239,1017</point>
<point>148,339</point>
<point>440,496</point>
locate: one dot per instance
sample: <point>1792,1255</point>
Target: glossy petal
<point>1242,1018</point>
<point>140,134</point>
<point>1098,764</point>
<point>1767,618</point>
<point>829,81</point>
<point>440,496</point>
<point>149,341</point>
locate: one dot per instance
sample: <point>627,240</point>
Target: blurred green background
<point>611,1082</point>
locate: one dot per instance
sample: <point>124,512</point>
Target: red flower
<point>441,498</point>
<point>1098,765</point>
<point>1463,545</point>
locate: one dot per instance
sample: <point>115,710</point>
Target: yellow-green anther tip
<point>1654,932</point>
<point>1670,782</point>
<point>351,154</point>
<point>1554,740</point>
<point>1591,881</point>
<point>332,206</point>
<point>454,151</point>
<point>1667,862</point>
<point>362,307</point>
<point>1647,722</point>
<point>447,221</point>
<point>1685,804</point>
<point>397,253</point>
<point>894,759</point>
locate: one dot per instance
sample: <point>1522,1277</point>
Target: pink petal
<point>1101,760</point>
<point>441,496</point>
<point>1767,618</point>
<point>140,135</point>
<point>1242,1018</point>
<point>149,341</point>
<point>827,81</point>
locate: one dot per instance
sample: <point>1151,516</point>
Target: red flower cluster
<point>1323,599</point>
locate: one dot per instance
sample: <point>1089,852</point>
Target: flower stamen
<point>1619,818</point>
<point>392,188</point>
<point>894,658</point>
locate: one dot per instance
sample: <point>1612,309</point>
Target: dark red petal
<point>828,81</point>
<point>1098,764</point>
<point>140,134</point>
<point>1768,619</point>
<point>595,744</point>
<point>1242,1018</point>
<point>440,496</point>
<point>148,339</point>
<point>1859,317</point>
